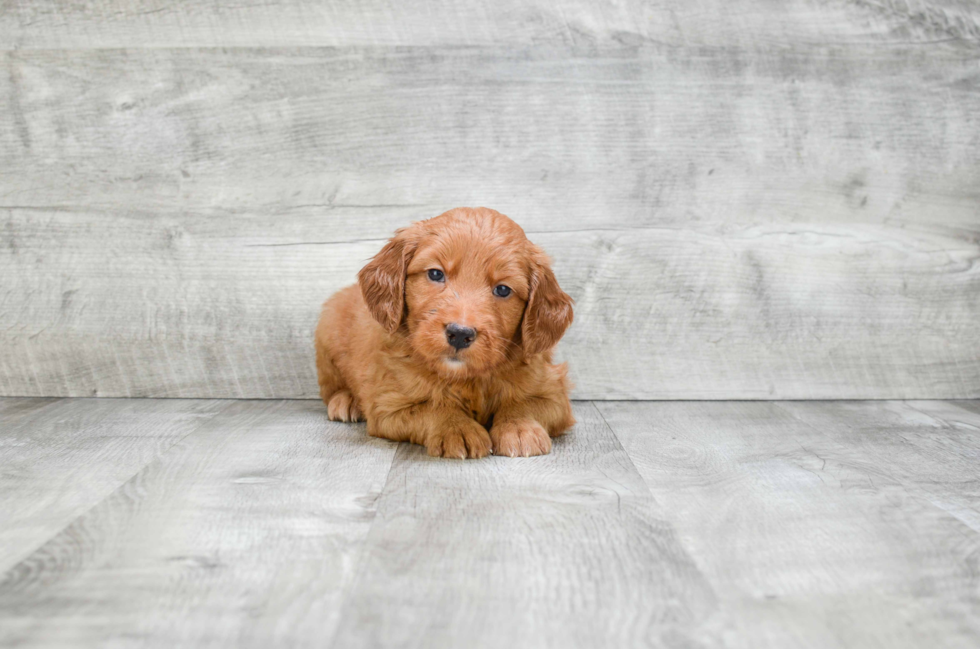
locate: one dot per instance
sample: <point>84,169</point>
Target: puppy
<point>448,335</point>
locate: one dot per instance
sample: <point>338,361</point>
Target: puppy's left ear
<point>549,309</point>
<point>382,280</point>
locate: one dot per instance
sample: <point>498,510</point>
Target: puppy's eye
<point>436,275</point>
<point>501,291</point>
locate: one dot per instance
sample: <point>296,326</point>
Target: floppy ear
<point>382,281</point>
<point>549,309</point>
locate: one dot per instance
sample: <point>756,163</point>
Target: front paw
<point>520,438</point>
<point>463,438</point>
<point>343,407</point>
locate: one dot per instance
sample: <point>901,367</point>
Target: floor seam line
<point>931,416</point>
<point>362,555</point>
<point>612,431</point>
<point>911,489</point>
<point>5,574</point>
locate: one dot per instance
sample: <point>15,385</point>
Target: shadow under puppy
<point>449,332</point>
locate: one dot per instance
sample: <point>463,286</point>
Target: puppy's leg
<point>343,407</point>
<point>524,427</point>
<point>341,404</point>
<point>327,375</point>
<point>445,432</point>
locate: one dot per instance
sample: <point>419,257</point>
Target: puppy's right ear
<point>382,281</point>
<point>549,309</point>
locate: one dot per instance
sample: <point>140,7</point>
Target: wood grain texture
<point>15,411</point>
<point>567,550</point>
<point>773,221</point>
<point>932,447</point>
<point>27,24</point>
<point>808,539</point>
<point>683,524</point>
<point>60,458</point>
<point>245,533</point>
<point>205,314</point>
<point>969,406</point>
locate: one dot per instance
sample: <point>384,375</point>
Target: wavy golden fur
<point>383,349</point>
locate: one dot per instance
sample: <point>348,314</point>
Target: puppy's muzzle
<point>459,337</point>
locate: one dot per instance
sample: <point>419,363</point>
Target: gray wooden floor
<point>181,523</point>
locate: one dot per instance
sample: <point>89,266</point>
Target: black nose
<point>460,337</point>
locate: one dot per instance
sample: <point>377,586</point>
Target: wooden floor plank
<point>807,540</point>
<point>566,550</point>
<point>516,23</point>
<point>59,458</point>
<point>243,534</point>
<point>972,405</point>
<point>15,410</point>
<point>695,524</point>
<point>931,446</point>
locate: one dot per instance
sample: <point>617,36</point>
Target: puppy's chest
<point>479,401</point>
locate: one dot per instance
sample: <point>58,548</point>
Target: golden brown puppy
<point>449,332</point>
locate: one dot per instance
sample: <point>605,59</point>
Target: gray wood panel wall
<point>748,199</point>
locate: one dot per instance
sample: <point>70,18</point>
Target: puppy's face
<point>468,290</point>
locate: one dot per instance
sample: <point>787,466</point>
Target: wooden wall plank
<point>245,533</point>
<point>27,24</point>
<point>769,221</point>
<point>565,550</point>
<point>366,138</point>
<point>763,312</point>
<point>808,541</point>
<point>62,458</point>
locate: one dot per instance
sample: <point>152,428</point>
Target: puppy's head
<point>468,290</point>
